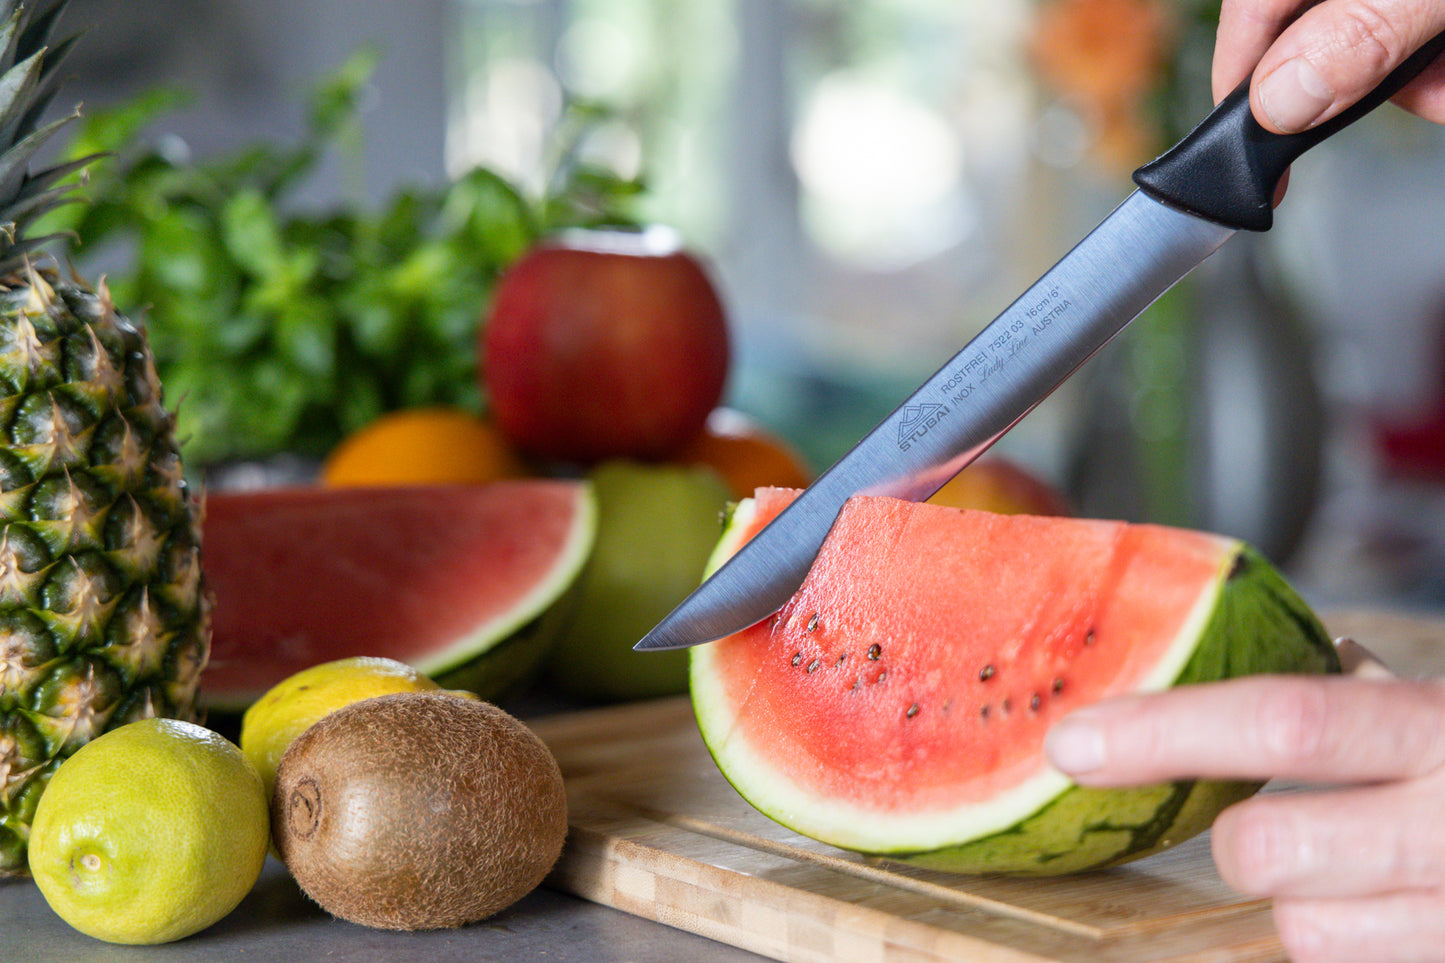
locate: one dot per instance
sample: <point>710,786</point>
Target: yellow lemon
<point>150,833</point>
<point>291,706</point>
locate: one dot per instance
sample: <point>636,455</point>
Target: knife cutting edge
<point>1221,178</point>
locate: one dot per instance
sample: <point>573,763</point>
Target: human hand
<point>1310,60</point>
<point>1356,871</point>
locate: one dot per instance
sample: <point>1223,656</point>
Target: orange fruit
<point>421,446</point>
<point>745,454</point>
<point>997,484</point>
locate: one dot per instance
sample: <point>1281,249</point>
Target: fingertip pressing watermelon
<point>897,705</point>
<point>462,582</point>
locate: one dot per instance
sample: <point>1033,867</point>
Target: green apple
<point>656,526</point>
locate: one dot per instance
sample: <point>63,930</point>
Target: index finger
<point>1247,28</point>
<point>1330,729</point>
<point>1328,54</point>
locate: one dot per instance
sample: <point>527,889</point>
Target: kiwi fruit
<point>418,810</point>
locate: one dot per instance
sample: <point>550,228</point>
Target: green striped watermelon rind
<point>1251,622</point>
<point>514,662</point>
<point>506,657</point>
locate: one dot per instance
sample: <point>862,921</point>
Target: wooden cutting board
<point>657,832</point>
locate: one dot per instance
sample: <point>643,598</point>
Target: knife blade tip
<point>652,643</point>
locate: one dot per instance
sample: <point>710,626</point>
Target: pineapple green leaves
<point>281,329</point>
<point>28,83</point>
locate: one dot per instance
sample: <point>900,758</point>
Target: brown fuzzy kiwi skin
<point>418,811</point>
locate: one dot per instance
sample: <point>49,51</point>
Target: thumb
<point>1335,53</point>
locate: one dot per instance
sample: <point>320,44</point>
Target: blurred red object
<point>1413,445</point>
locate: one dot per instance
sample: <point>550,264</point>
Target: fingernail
<point>1076,746</point>
<point>1294,95</point>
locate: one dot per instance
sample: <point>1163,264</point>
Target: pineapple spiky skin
<point>104,618</point>
<point>103,613</point>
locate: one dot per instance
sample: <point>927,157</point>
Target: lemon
<point>291,706</point>
<point>150,833</point>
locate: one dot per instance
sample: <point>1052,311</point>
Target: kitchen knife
<point>1219,179</point>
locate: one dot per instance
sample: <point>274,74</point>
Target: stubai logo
<point>917,420</point>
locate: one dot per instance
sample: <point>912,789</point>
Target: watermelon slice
<point>450,579</point>
<point>897,705</point>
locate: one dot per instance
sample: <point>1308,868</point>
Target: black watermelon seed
<point>1058,686</point>
<point>1089,637</point>
<point>1007,705</point>
<point>874,651</point>
<point>813,621</point>
<point>1035,701</point>
<point>986,673</point>
<point>912,711</point>
<point>841,659</point>
<point>1241,566</point>
<point>797,658</point>
<point>983,712</point>
<point>813,666</point>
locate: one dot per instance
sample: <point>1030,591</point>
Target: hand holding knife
<point>1219,179</point>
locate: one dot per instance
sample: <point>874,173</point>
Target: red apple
<point>997,484</point>
<point>604,344</point>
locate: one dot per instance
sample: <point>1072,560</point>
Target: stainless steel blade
<point>1136,254</point>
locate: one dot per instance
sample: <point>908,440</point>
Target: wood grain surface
<point>657,832</point>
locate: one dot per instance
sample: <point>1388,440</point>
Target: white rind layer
<point>565,569</point>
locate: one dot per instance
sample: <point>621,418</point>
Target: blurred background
<point>872,182</point>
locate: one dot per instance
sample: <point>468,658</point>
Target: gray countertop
<point>277,924</point>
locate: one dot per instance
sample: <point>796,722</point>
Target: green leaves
<point>279,329</point>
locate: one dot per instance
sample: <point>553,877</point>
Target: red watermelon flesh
<point>433,576</point>
<point>1075,651</point>
<point>899,701</point>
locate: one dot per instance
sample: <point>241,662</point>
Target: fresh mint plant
<point>278,329</point>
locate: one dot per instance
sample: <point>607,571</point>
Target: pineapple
<point>103,615</point>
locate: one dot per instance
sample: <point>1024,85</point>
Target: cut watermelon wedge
<point>450,579</point>
<point>897,705</point>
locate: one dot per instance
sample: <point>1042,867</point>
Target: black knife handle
<point>1228,167</point>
